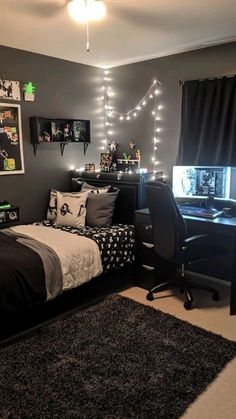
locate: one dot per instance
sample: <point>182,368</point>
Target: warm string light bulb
<point>107,109</point>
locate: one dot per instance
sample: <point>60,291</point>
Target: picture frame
<point>9,89</point>
<point>105,162</point>
<point>11,143</point>
<point>90,167</point>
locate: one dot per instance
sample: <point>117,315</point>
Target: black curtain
<point>208,123</point>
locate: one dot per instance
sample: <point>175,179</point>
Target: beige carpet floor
<point>219,400</point>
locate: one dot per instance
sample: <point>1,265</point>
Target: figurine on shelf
<point>138,155</point>
<point>132,145</point>
<point>113,146</point>
<point>45,137</point>
<point>57,134</point>
<point>67,133</point>
<point>126,156</point>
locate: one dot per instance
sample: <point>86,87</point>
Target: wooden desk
<point>224,228</point>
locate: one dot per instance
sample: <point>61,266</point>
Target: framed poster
<point>11,146</point>
<point>105,162</point>
<point>9,89</point>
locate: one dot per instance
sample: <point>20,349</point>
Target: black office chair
<point>172,243</point>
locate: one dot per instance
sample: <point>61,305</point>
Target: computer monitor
<point>204,181</point>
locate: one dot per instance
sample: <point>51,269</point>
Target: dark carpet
<point>116,359</point>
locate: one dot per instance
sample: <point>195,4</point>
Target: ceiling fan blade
<point>135,17</point>
<point>41,9</point>
<point>150,19</point>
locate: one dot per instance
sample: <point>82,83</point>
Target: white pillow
<point>71,209</point>
<point>52,207</point>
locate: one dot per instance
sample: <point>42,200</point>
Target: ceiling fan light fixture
<point>83,11</point>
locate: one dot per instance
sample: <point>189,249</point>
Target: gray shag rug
<point>116,359</point>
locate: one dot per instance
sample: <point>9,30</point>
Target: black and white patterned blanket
<point>116,243</point>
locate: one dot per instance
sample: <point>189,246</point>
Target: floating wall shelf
<point>61,131</point>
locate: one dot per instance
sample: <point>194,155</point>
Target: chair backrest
<point>168,225</point>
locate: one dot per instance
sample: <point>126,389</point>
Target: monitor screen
<point>201,182</point>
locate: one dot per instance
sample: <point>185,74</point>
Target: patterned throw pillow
<point>52,207</point>
<point>71,209</point>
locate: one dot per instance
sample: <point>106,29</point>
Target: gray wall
<point>132,81</point>
<point>63,90</point>
<point>66,89</point>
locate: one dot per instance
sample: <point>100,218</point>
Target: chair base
<point>185,287</point>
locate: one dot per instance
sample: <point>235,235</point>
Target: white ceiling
<point>133,30</point>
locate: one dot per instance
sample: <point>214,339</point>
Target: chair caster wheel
<point>150,297</point>
<point>216,296</point>
<point>188,305</point>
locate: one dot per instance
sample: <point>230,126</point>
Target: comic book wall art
<point>11,146</point>
<point>9,89</point>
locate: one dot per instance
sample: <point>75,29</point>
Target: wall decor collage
<point>11,143</point>
<point>11,146</point>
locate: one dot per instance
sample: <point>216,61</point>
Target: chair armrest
<point>201,247</point>
<point>191,239</point>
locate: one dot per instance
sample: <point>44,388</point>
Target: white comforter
<point>79,256</point>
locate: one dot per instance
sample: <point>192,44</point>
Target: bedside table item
<point>9,215</point>
<point>4,204</point>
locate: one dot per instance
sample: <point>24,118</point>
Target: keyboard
<point>199,212</point>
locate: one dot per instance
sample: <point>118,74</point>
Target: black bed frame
<point>14,325</point>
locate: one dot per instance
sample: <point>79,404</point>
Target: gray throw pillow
<point>81,185</point>
<point>95,189</point>
<point>100,209</point>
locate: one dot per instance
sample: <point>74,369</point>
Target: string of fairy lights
<point>111,115</point>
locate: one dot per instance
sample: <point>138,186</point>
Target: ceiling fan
<point>85,11</point>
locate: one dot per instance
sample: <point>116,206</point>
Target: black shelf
<point>61,131</point>
<point>62,145</point>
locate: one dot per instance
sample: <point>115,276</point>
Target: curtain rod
<point>181,82</point>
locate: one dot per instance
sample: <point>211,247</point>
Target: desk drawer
<point>144,233</point>
<point>146,256</point>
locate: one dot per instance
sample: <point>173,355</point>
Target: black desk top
<point>222,221</point>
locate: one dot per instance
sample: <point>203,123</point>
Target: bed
<point>43,260</point>
<point>40,261</point>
